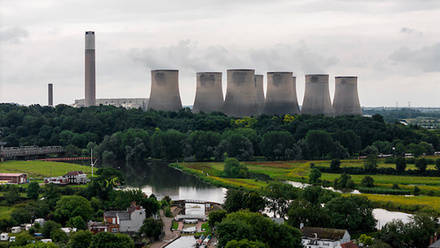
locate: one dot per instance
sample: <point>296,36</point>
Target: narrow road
<point>169,235</point>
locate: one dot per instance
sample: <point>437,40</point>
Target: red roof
<point>349,245</point>
<point>74,173</point>
<point>11,174</point>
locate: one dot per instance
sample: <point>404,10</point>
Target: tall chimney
<point>50,94</point>
<point>90,70</point>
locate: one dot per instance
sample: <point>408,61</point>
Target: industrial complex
<point>244,95</point>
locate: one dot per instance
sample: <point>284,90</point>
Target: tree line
<point>134,134</point>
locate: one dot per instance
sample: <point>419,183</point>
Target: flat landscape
<point>41,169</point>
<point>299,171</point>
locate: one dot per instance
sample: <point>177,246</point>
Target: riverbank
<point>298,171</point>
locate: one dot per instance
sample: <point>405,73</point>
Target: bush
<point>367,181</point>
<point>384,191</point>
<point>389,160</point>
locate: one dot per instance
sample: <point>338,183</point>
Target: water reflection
<point>383,216</point>
<point>155,177</point>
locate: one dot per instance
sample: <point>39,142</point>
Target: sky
<point>393,46</point>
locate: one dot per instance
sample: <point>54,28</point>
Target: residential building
<point>318,237</point>
<point>13,178</point>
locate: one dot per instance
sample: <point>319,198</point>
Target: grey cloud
<point>186,55</point>
<point>13,35</point>
<point>410,31</point>
<point>425,59</point>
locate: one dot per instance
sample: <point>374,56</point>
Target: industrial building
<point>317,96</point>
<point>260,92</point>
<point>241,93</point>
<point>281,94</point>
<point>164,93</point>
<point>13,178</point>
<point>346,99</point>
<point>127,103</point>
<point>209,93</point>
<point>90,70</point>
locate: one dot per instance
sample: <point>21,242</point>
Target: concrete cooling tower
<point>164,93</point>
<point>260,92</point>
<point>346,100</point>
<point>90,71</point>
<point>209,93</point>
<point>241,93</point>
<point>317,96</point>
<point>281,94</point>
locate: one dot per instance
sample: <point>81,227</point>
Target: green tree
<point>275,144</point>
<point>279,194</point>
<point>59,236</point>
<point>204,144</point>
<point>415,149</point>
<point>302,211</point>
<point>49,227</point>
<point>335,164</point>
<point>400,164</point>
<point>367,181</point>
<point>416,190</point>
<point>240,147</point>
<point>437,164</point>
<point>110,240</point>
<point>80,239</point>
<point>234,169</point>
<point>233,201</point>
<point>33,190</point>
<point>151,205</point>
<point>244,243</point>
<point>344,182</point>
<point>421,164</point>
<point>72,206</point>
<point>314,176</point>
<point>78,222</point>
<point>370,163</point>
<point>319,143</point>
<point>354,213</point>
<point>216,217</point>
<point>151,228</point>
<point>253,201</point>
<point>12,196</point>
<point>168,145</point>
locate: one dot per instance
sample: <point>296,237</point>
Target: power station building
<point>281,94</point>
<point>317,96</point>
<point>346,99</point>
<point>209,93</point>
<point>260,92</point>
<point>164,94</point>
<point>127,103</point>
<point>241,93</point>
<point>90,70</point>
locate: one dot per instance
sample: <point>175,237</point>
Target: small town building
<point>317,237</point>
<point>73,177</point>
<point>13,178</point>
<point>120,221</point>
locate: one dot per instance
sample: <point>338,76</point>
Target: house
<point>13,178</point>
<point>436,244</point>
<point>317,237</point>
<point>349,245</point>
<point>73,177</point>
<point>120,221</point>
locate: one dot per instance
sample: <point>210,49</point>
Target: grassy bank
<point>41,169</point>
<point>299,170</point>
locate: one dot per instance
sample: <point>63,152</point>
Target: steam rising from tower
<point>209,94</point>
<point>241,93</point>
<point>346,99</point>
<point>281,94</point>
<point>90,70</point>
<point>164,93</point>
<point>317,96</point>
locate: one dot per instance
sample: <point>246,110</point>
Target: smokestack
<point>317,96</point>
<point>209,93</point>
<point>281,94</point>
<point>241,93</point>
<point>90,69</point>
<point>50,94</point>
<point>260,92</point>
<point>346,100</point>
<point>164,93</point>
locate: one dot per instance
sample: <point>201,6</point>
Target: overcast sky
<point>393,46</point>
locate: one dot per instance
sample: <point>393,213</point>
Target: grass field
<point>299,170</point>
<point>41,169</point>
<point>5,211</point>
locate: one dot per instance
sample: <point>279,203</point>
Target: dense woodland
<point>134,134</point>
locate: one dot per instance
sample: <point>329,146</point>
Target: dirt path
<point>169,235</point>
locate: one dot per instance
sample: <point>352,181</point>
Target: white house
<point>318,237</point>
<point>127,221</point>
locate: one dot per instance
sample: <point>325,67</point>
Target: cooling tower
<point>317,96</point>
<point>90,77</point>
<point>346,100</point>
<point>209,93</point>
<point>281,94</point>
<point>50,94</point>
<point>164,93</point>
<point>260,92</point>
<point>241,93</point>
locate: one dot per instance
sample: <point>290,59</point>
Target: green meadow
<point>41,169</point>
